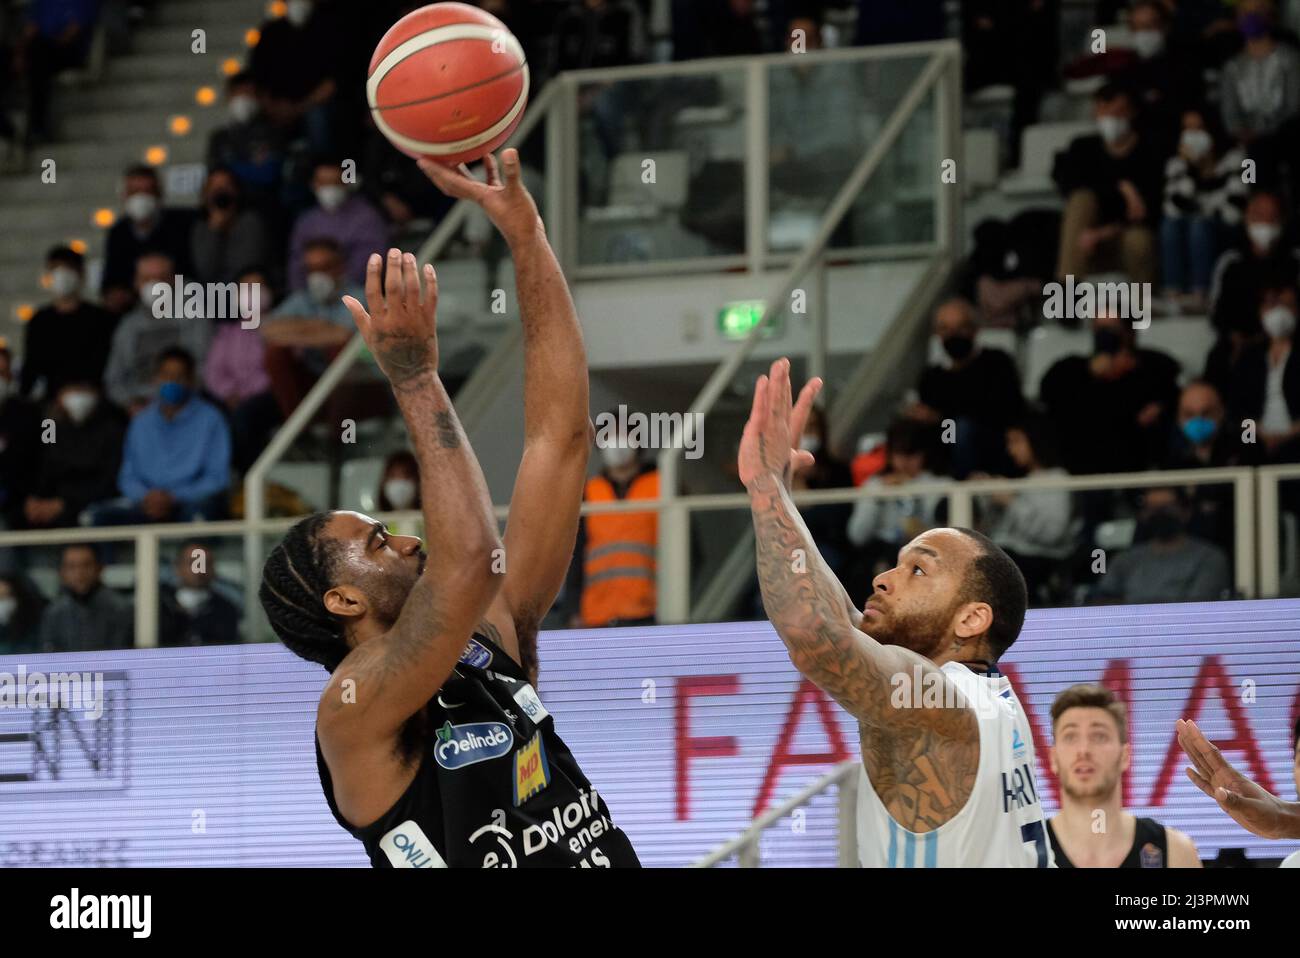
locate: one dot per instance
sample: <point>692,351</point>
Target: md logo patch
<point>461,745</point>
<point>476,655</point>
<point>532,771</point>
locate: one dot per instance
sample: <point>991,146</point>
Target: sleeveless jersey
<point>496,785</point>
<point>1150,847</point>
<point>1001,824</point>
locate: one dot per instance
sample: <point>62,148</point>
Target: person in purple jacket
<point>342,215</point>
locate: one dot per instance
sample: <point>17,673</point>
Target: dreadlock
<point>297,574</point>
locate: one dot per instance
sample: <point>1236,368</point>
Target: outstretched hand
<point>504,198</point>
<point>774,423</point>
<point>1253,807</point>
<point>401,326</point>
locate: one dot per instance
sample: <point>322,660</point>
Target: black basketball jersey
<point>496,786</point>
<point>1150,846</point>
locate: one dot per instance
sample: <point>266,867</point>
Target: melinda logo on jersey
<point>461,745</point>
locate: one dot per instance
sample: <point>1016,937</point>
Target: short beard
<point>919,632</point>
<point>1103,789</point>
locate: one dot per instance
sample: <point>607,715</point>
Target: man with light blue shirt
<point>176,463</point>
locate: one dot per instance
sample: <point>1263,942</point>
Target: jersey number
<point>1033,832</point>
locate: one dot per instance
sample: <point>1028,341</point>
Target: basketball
<point>448,82</point>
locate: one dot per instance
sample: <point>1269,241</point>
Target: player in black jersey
<point>433,746</point>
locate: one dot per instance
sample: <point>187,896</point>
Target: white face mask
<point>1112,128</point>
<point>79,405</point>
<point>810,443</point>
<point>190,599</point>
<point>615,457</point>
<point>298,12</point>
<point>8,606</point>
<point>140,206</point>
<point>331,197</point>
<point>1278,321</point>
<point>1148,43</point>
<point>1196,144</point>
<point>64,281</point>
<point>320,287</point>
<point>1263,235</point>
<point>243,108</point>
<point>400,492</point>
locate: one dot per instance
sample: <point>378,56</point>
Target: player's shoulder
<point>1182,849</point>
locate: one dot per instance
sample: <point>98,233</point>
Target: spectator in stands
<point>155,324</point>
<point>1262,261</point>
<point>1260,92</point>
<point>1165,77</point>
<point>234,371</point>
<point>56,38</point>
<point>342,215</point>
<point>228,238</point>
<point>714,28</point>
<point>1003,41</point>
<point>20,615</point>
<point>1266,381</point>
<point>978,389</point>
<point>1033,527</point>
<point>293,65</point>
<point>192,612</point>
<point>1111,181</point>
<point>68,339</point>
<point>597,33</point>
<point>87,616</point>
<point>1112,409</point>
<point>19,440</point>
<point>176,462</point>
<point>1167,565</point>
<point>1204,200</point>
<point>399,485</point>
<point>146,227</point>
<point>307,330</point>
<point>250,145</point>
<point>80,468</point>
<point>1203,440</point>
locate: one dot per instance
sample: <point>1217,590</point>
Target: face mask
<point>1112,128</point>
<point>298,12</point>
<point>1107,341</point>
<point>140,206</point>
<point>320,286</point>
<point>8,606</point>
<point>1199,429</point>
<point>331,197</point>
<point>64,281</point>
<point>243,108</point>
<point>1196,143</point>
<point>79,405</point>
<point>221,200</point>
<point>958,347</point>
<point>810,443</point>
<point>1263,235</point>
<point>1278,321</point>
<point>174,394</point>
<point>1252,26</point>
<point>1163,525</point>
<point>1148,43</point>
<point>400,492</point>
<point>616,457</point>
<point>190,599</point>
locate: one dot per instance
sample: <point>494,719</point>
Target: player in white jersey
<point>948,760</point>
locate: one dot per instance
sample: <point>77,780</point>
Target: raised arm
<point>544,506</point>
<point>1251,806</point>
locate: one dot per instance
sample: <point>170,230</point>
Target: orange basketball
<point>448,81</point>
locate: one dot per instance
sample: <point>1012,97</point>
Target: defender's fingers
<point>374,288</point>
<point>757,412</point>
<point>779,390</point>
<point>430,300</point>
<point>802,458</point>
<point>803,407</point>
<point>393,283</point>
<point>410,284</point>
<point>359,315</point>
<point>451,181</point>
<point>1200,782</point>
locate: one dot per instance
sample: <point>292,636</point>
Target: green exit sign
<point>736,320</point>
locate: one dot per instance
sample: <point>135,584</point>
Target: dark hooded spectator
<point>294,66</point>
<point>49,357</point>
<point>1266,381</point>
<point>81,466</point>
<point>249,145</point>
<point>228,238</point>
<point>56,37</point>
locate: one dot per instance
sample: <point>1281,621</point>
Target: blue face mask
<point>1198,429</point>
<point>174,394</point>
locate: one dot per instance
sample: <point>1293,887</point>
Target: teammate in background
<point>433,747</point>
<point>947,753</point>
<point>1089,755</point>
<point>1255,809</point>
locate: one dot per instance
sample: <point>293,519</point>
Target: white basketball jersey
<point>1001,824</point>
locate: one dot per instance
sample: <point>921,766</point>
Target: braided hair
<point>297,574</point>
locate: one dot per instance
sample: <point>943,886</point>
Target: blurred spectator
<point>176,462</point>
<point>68,339</point>
<point>826,522</point>
<point>714,28</point>
<point>1111,181</point>
<point>1262,261</point>
<point>1003,41</point>
<point>1260,92</point>
<point>234,371</point>
<point>20,615</point>
<point>293,65</point>
<point>1012,261</point>
<point>399,485</point>
<point>307,330</point>
<point>1266,381</point>
<point>1165,77</point>
<point>20,431</point>
<point>1167,565</point>
<point>57,38</point>
<point>597,33</point>
<point>192,612</point>
<point>250,145</point>
<point>147,330</point>
<point>80,467</point>
<point>87,615</point>
<point>146,227</point>
<point>228,238</point>
<point>1034,527</point>
<point>1112,409</point>
<point>1204,199</point>
<point>344,216</point>
<point>1202,440</point>
<point>978,389</point>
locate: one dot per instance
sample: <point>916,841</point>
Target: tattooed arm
<point>922,761</point>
